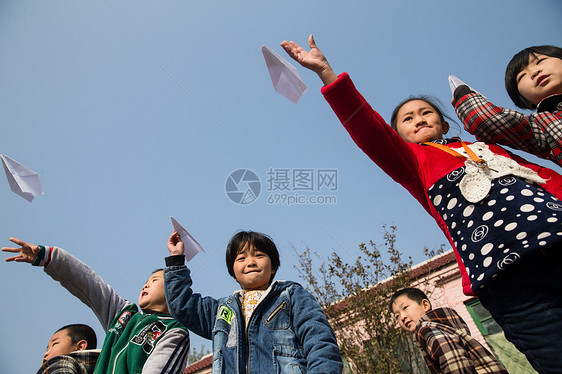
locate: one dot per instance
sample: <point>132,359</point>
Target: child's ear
<point>445,127</point>
<point>81,345</point>
<point>426,305</point>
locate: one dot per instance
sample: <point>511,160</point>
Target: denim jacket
<point>287,333</point>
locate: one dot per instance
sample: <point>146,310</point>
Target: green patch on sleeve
<point>225,314</point>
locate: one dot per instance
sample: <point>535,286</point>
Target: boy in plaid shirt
<point>71,350</point>
<point>442,335</point>
<point>533,80</point>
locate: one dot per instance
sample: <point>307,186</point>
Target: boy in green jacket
<point>145,341</point>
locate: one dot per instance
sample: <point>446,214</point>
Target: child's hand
<point>27,253</point>
<point>175,244</point>
<point>313,60</point>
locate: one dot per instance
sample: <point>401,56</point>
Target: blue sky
<point>135,111</point>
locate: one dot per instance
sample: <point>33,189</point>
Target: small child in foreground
<point>442,335</point>
<point>71,350</point>
<point>267,327</point>
<point>533,80</point>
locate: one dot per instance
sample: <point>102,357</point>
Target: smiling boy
<point>266,327</point>
<point>443,336</point>
<point>147,341</point>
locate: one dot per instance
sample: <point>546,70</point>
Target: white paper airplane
<point>285,77</point>
<point>23,181</point>
<point>190,245</point>
<point>454,82</point>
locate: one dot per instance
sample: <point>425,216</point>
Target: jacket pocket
<point>278,317</point>
<point>288,360</point>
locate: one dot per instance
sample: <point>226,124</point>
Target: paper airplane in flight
<point>23,181</point>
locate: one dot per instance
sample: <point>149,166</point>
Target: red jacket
<point>416,167</point>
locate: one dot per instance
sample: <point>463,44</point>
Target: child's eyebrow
<point>51,342</point>
<point>421,108</point>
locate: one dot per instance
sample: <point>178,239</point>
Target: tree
<point>355,300</point>
<point>194,356</point>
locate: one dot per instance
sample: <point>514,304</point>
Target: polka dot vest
<point>516,218</point>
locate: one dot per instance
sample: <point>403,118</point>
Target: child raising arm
<point>267,327</point>
<point>499,212</point>
<point>533,80</point>
<point>147,341</point>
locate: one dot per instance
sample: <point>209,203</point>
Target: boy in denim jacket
<point>267,326</point>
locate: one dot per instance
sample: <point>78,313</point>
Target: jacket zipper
<point>246,326</point>
<point>281,306</point>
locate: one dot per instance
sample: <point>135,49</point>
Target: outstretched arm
<point>313,59</point>
<point>74,275</point>
<point>25,253</point>
<point>195,312</point>
<point>539,133</point>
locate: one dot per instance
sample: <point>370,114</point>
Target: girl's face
<point>419,122</point>
<point>540,79</point>
<point>252,268</point>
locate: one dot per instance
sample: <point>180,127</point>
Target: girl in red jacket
<point>501,214</point>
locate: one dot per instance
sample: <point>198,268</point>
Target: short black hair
<point>432,101</point>
<point>259,241</point>
<point>78,332</point>
<point>520,62</point>
<point>414,294</point>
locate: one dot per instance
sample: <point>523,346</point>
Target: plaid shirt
<point>79,362</point>
<point>539,133</point>
<point>447,347</point>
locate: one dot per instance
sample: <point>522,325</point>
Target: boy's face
<point>252,268</point>
<point>60,344</point>
<point>152,296</point>
<point>540,79</point>
<point>408,312</point>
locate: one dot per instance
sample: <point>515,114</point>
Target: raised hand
<point>175,244</point>
<point>313,59</point>
<point>26,252</point>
